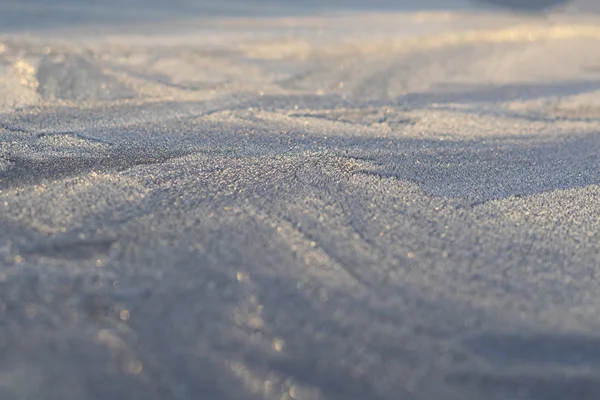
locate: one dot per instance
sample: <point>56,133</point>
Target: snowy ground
<point>271,204</point>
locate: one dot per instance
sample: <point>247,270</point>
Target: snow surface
<point>337,204</point>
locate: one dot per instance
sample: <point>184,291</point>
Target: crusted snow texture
<point>348,205</point>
